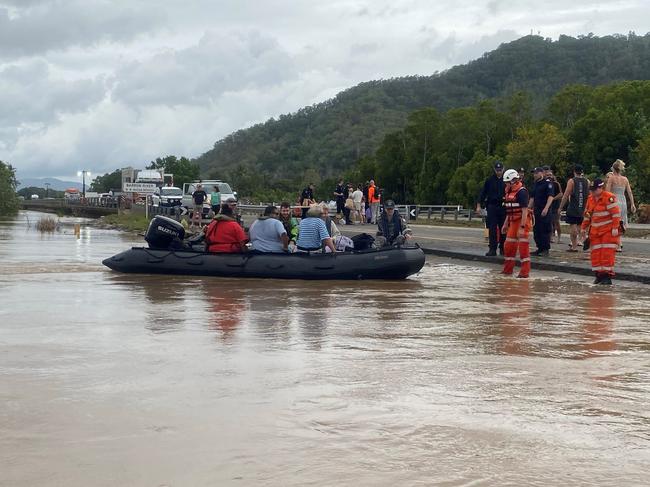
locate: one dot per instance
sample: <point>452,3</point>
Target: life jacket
<point>602,214</point>
<point>512,206</point>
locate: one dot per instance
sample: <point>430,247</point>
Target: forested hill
<point>332,136</point>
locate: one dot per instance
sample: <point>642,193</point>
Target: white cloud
<point>103,83</point>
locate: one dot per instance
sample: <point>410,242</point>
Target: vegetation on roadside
<point>128,221</point>
<point>8,199</point>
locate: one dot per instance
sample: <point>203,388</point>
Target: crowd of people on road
<point>595,211</point>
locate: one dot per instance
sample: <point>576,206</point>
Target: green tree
<point>107,182</point>
<point>8,200</point>
<point>539,146</point>
<point>184,170</point>
<point>640,167</point>
<point>467,181</point>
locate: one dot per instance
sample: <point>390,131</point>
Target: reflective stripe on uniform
<point>510,258</point>
<point>511,239</point>
<point>611,205</point>
<point>601,224</point>
<point>601,213</point>
<point>526,259</point>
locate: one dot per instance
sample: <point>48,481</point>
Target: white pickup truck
<point>208,186</point>
<point>167,196</point>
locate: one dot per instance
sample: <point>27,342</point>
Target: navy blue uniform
<point>491,198</point>
<point>543,224</point>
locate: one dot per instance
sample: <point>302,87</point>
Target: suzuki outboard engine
<point>164,233</point>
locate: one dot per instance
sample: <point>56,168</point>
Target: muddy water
<point>457,376</point>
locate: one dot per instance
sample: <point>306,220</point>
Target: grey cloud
<point>61,24</point>
<point>220,62</point>
<point>29,95</point>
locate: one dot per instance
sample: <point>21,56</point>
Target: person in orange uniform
<point>374,200</point>
<point>602,219</point>
<point>518,223</point>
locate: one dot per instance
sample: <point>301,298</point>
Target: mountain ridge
<point>331,136</point>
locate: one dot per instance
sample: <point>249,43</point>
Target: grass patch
<point>127,221</point>
<point>46,224</point>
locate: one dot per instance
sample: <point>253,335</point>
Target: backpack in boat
<point>363,241</point>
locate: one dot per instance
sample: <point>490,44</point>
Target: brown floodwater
<point>455,377</point>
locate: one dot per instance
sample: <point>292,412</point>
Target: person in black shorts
<point>576,194</point>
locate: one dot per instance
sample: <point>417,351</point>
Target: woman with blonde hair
<point>620,186</point>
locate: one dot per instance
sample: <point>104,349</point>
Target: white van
<point>208,186</point>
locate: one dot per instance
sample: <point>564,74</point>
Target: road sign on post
<point>413,213</point>
<point>142,188</point>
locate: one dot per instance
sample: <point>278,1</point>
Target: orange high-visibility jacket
<point>602,214</point>
<point>372,194</point>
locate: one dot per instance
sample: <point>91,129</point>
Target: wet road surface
<point>458,376</point>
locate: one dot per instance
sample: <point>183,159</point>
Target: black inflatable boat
<point>162,258</point>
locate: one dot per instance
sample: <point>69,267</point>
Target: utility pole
<point>83,175</point>
<point>47,189</point>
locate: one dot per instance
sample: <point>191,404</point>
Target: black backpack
<point>363,241</point>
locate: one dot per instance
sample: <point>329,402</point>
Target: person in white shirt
<point>357,198</point>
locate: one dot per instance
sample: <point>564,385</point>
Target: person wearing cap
<point>224,234</point>
<point>392,229</point>
<point>601,221</point>
<point>541,201</point>
<point>231,202</point>
<point>577,191</point>
<point>517,226</point>
<point>522,174</point>
<point>491,198</point>
<point>556,229</point>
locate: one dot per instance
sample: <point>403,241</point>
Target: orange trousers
<point>603,253</point>
<point>513,243</point>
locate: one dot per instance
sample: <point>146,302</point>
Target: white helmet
<point>509,175</point>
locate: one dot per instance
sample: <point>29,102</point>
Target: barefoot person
<point>620,186</point>
<point>577,191</point>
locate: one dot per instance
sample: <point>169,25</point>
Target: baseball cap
<point>231,200</point>
<point>389,204</point>
<point>598,183</point>
<point>538,169</point>
<point>521,169</point>
<point>579,168</point>
<point>546,168</point>
<point>498,165</point>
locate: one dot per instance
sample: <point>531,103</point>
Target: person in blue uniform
<point>491,199</point>
<point>540,202</point>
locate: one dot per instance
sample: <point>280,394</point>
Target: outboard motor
<point>164,233</point>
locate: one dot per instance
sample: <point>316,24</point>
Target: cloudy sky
<point>101,84</point>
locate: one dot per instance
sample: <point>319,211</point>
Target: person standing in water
<point>577,191</point>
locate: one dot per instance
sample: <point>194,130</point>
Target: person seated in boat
<point>267,234</point>
<point>313,234</point>
<point>232,204</point>
<point>289,222</point>
<point>224,234</point>
<point>392,227</point>
<point>332,229</point>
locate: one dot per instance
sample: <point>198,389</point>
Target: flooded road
<point>457,376</point>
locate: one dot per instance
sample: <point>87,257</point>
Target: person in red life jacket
<point>518,223</point>
<point>601,221</point>
<point>224,234</point>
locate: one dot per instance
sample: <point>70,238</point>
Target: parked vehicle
<point>167,196</point>
<point>208,186</point>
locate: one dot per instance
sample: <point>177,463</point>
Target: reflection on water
<point>459,376</point>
